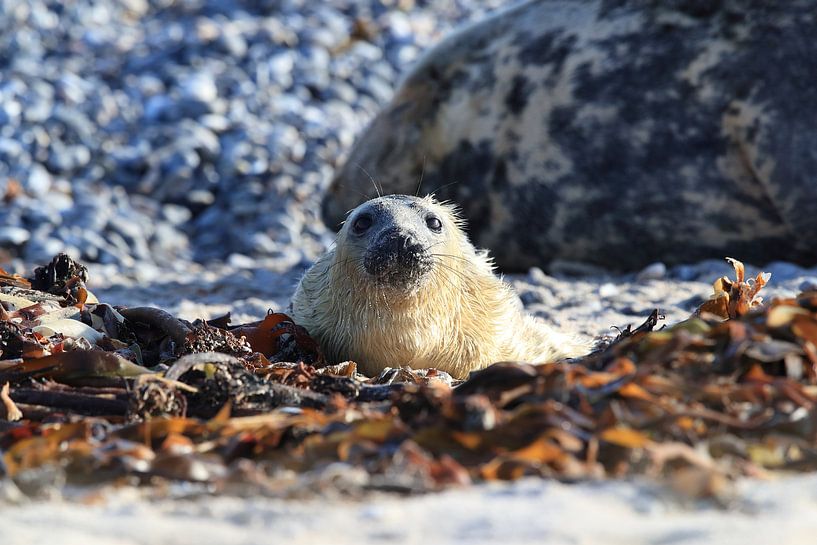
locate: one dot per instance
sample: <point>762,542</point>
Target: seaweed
<point>729,392</point>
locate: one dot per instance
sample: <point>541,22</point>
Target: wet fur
<point>461,317</point>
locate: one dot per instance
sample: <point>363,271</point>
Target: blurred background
<point>142,135</point>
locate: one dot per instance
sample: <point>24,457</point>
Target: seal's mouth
<point>397,260</point>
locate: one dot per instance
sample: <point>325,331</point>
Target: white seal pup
<point>404,286</point>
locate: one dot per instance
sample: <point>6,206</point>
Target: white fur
<point>461,318</point>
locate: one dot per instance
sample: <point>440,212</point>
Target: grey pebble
<point>241,261</point>
<point>38,181</point>
<point>158,107</point>
<point>808,284</point>
<point>147,133</point>
<point>15,236</point>
<point>608,290</point>
<point>41,250</point>
<point>199,86</point>
<point>175,214</point>
<point>654,271</point>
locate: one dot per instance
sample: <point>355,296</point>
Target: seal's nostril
<point>414,249</point>
<point>410,248</point>
<point>400,244</point>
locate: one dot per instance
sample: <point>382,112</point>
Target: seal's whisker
<point>435,244</point>
<point>377,189</point>
<point>441,254</point>
<point>457,272</point>
<point>454,274</point>
<point>452,270</point>
<point>452,256</point>
<point>362,194</point>
<point>337,263</point>
<point>422,172</point>
<point>434,193</point>
<point>448,280</point>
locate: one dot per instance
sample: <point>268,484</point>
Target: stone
<point>608,290</point>
<point>199,87</point>
<point>653,271</point>
<point>13,236</point>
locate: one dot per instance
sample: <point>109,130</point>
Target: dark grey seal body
<point>611,132</point>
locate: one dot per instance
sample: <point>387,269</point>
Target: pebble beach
<point>143,135</point>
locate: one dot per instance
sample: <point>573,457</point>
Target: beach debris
<point>730,392</point>
<point>12,412</point>
<point>279,338</point>
<point>734,298</point>
<point>65,277</point>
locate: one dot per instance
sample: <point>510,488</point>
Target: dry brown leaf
<point>665,393</point>
<point>12,412</point>
<point>732,299</point>
<point>13,280</point>
<point>635,391</point>
<point>805,327</point>
<point>625,437</point>
<point>695,482</point>
<point>542,450</point>
<point>260,335</point>
<point>81,364</point>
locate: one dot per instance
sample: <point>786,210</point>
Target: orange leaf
<point>719,306</point>
<point>685,422</point>
<point>177,444</point>
<point>635,391</point>
<point>468,440</point>
<point>806,328</point>
<point>740,272</point>
<point>597,380</point>
<point>542,450</point>
<point>625,437</point>
<point>375,430</point>
<point>502,468</point>
<point>757,374</point>
<point>260,335</point>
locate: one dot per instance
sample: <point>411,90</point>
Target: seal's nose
<point>403,246</point>
<point>395,251</point>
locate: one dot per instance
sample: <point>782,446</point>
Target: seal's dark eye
<point>434,223</point>
<point>362,223</point>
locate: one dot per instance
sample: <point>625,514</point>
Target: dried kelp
<point>732,299</point>
<point>731,391</point>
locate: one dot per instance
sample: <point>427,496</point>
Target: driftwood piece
<point>158,318</point>
<point>91,405</point>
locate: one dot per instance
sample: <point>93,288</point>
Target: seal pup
<point>612,133</point>
<point>404,286</point>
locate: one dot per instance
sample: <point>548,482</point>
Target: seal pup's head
<point>394,241</point>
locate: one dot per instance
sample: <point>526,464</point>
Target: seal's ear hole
<point>434,223</point>
<point>362,223</point>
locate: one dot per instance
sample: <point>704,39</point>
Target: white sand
<point>530,511</point>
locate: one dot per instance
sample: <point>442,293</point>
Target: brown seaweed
<point>732,391</point>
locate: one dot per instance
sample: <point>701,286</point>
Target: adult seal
<point>611,132</point>
<point>404,286</point>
